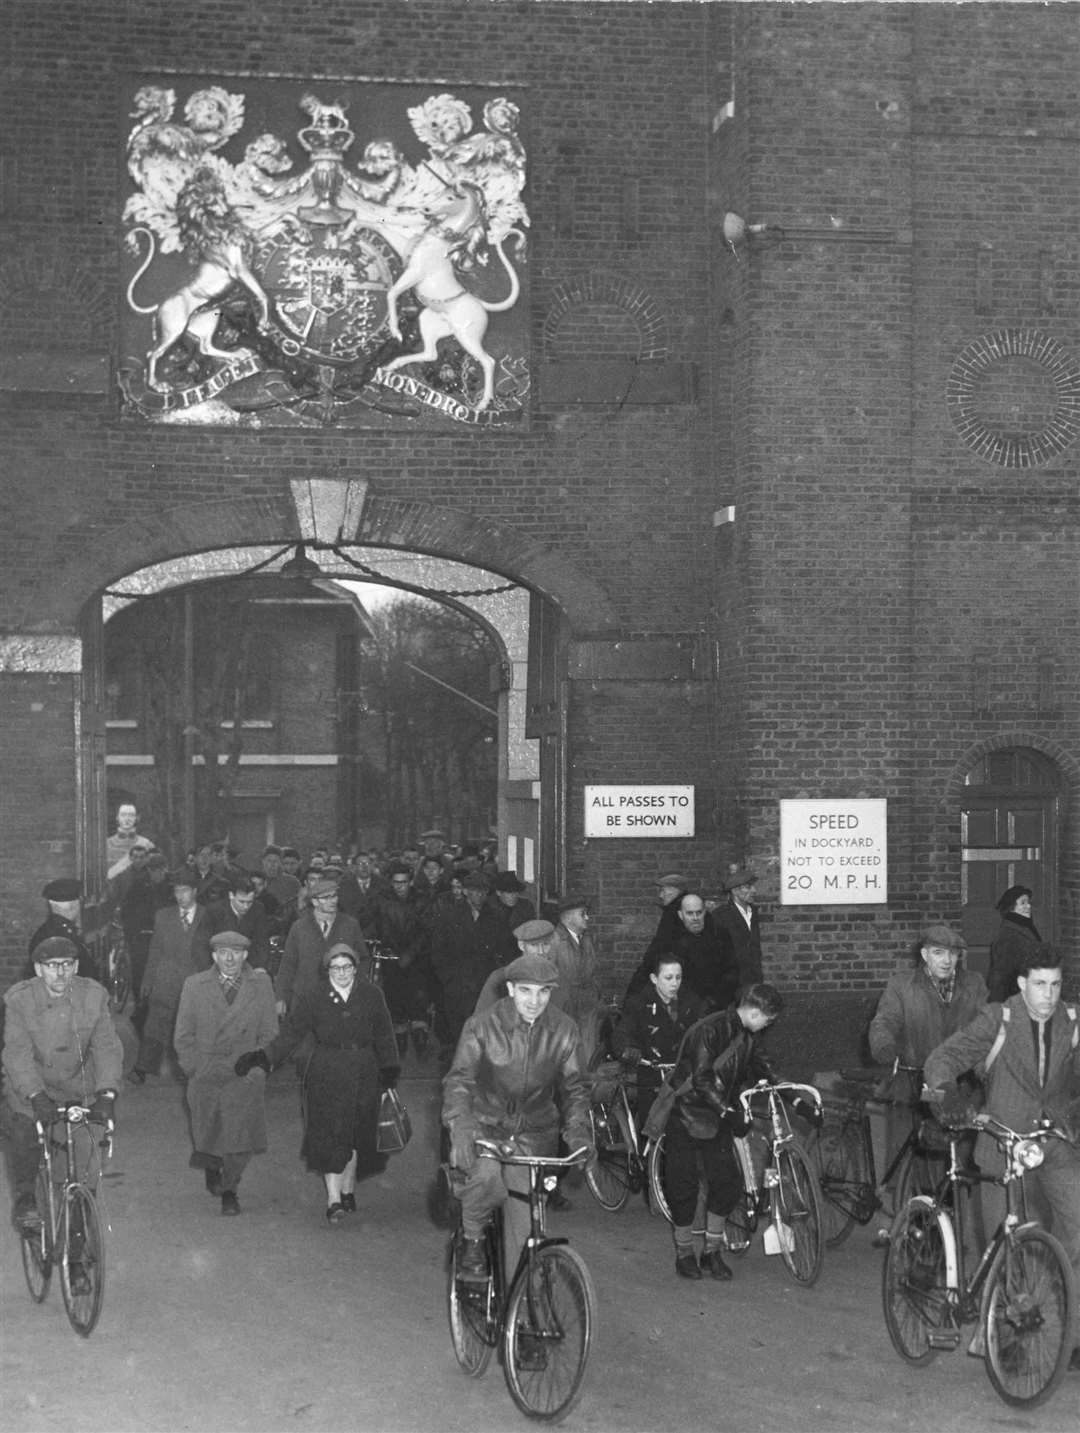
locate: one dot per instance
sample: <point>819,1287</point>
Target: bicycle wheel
<point>119,971</point>
<point>550,1317</point>
<point>838,1155</point>
<point>36,1246</point>
<point>1027,1315</point>
<point>920,1172</point>
<point>654,1169</point>
<point>914,1287</point>
<point>82,1259</point>
<point>610,1178</point>
<point>473,1318</point>
<point>796,1213</point>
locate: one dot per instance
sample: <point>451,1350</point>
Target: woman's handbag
<point>395,1127</point>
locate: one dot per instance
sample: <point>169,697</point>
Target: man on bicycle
<point>59,1048</point>
<point>516,1077</point>
<point>1029,1047</point>
<point>719,1060</point>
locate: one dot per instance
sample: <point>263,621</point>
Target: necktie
<point>324,926</point>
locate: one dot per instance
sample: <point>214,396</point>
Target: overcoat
<point>305,945</point>
<point>911,1018</point>
<point>1016,937</point>
<point>744,941</point>
<point>228,1114</point>
<point>354,1041</point>
<point>172,959</point>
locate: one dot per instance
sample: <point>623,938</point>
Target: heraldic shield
<point>275,283</point>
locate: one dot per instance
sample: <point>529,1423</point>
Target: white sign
<point>833,853</point>
<point>639,811</point>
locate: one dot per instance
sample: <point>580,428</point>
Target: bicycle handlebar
<point>1004,1135</point>
<point>505,1154</point>
<point>780,1087</point>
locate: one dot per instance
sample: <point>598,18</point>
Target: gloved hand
<point>463,1148</point>
<point>248,1062</point>
<point>45,1108</point>
<point>734,1120</point>
<point>631,1055</point>
<point>104,1106</point>
<point>592,1159</point>
<point>388,1076</point>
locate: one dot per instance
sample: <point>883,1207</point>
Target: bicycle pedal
<point>944,1339</point>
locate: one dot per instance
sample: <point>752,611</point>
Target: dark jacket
<point>1016,937</point>
<point>655,1029</point>
<point>743,941</point>
<point>511,1080</point>
<point>464,952</point>
<point>65,1045</point>
<point>721,1059</point>
<point>252,923</point>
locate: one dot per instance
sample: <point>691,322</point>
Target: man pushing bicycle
<point>517,1077</point>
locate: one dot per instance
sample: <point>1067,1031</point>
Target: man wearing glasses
<point>59,1048</point>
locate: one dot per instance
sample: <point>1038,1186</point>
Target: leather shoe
<point>213,1180</point>
<point>348,1203</point>
<point>558,1201</point>
<point>26,1212</point>
<point>229,1202</point>
<point>687,1267</point>
<point>472,1267</point>
<point>713,1263</point>
<point>78,1280</point>
<point>335,1213</point>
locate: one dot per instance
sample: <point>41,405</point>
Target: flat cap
<point>739,876</point>
<point>508,881</point>
<point>534,930</point>
<point>433,834</point>
<point>942,935</point>
<point>532,970</point>
<point>65,888</point>
<point>477,881</point>
<point>229,940</point>
<point>54,947</point>
<point>674,879</point>
<point>324,886</point>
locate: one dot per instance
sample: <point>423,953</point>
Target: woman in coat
<point>1016,937</point>
<point>355,1058</point>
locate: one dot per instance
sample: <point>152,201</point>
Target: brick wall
<point>921,161</point>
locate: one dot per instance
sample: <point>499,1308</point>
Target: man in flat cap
<point>468,942</point>
<point>533,937</point>
<point>225,1011</point>
<point>517,1077</point>
<point>671,886</point>
<point>924,1003</point>
<point>64,900</point>
<point>573,953</point>
<point>59,1048</point>
<point>174,955</point>
<point>739,923</point>
<point>319,926</point>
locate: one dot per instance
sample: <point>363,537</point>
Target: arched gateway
<point>523,591</point>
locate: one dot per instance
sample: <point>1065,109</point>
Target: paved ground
<point>274,1321</point>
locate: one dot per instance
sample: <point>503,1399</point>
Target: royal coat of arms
<point>272,283</point>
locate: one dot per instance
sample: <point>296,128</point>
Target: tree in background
<point>426,677</point>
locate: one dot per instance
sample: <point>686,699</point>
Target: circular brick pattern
<point>977,389</point>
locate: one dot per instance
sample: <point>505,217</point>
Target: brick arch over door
<point>56,602</point>
<point>1067,865</point>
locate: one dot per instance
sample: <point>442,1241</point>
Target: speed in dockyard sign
<point>639,811</point>
<point>833,853</point>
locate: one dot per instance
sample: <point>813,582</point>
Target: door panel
<point>1007,839</point>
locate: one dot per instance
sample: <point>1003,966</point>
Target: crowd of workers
<point>241,969</point>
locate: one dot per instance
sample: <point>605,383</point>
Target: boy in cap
<point>739,924</point>
<point>225,1011</point>
<point>517,1077</point>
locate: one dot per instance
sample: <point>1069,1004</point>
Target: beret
<point>66,888</point>
<point>54,947</point>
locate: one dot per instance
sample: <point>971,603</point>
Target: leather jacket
<point>511,1080</point>
<point>721,1060</point>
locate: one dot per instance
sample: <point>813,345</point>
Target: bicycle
<point>1022,1293</point>
<point>69,1234</point>
<point>542,1318</point>
<point>844,1153</point>
<point>778,1180</point>
<point>621,1165</point>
